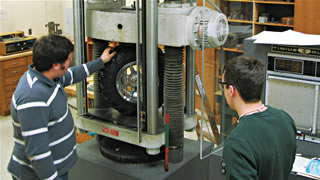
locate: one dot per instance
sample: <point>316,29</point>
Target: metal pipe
<point>144,54</point>
<point>267,91</point>
<point>202,75</point>
<point>152,62</point>
<point>138,56</point>
<point>223,123</point>
<point>80,52</point>
<point>315,111</point>
<point>190,76</point>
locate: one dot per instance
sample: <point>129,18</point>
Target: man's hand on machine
<point>107,54</point>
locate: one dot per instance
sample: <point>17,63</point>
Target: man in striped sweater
<point>44,137</point>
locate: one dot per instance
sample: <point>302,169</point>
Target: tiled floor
<point>6,144</point>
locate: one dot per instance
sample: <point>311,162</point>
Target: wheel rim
<point>126,82</point>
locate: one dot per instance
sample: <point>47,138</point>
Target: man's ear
<point>70,56</point>
<point>232,90</point>
<point>56,66</point>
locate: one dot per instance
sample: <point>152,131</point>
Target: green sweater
<point>262,146</point>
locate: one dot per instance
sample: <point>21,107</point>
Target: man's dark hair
<point>247,74</point>
<point>49,50</point>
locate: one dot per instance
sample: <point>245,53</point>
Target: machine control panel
<point>294,64</point>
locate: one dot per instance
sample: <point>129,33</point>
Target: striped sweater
<point>44,138</point>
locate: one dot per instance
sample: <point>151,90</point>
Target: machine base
<point>127,153</point>
<point>92,165</point>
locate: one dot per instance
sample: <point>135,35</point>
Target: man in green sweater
<point>263,145</point>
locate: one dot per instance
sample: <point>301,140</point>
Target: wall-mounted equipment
<point>53,28</point>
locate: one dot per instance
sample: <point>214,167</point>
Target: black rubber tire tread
<point>125,55</point>
<point>100,101</point>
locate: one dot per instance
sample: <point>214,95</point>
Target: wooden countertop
<point>13,56</point>
<point>71,91</point>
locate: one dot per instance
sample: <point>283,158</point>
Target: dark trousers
<point>62,177</point>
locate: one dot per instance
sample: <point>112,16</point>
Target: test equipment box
<point>15,42</point>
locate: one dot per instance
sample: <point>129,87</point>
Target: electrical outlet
<point>30,31</point>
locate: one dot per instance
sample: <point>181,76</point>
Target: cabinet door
<point>11,71</point>
<point>29,60</point>
<point>14,63</point>
<point>3,104</point>
<point>12,80</point>
<point>17,71</point>
<point>306,16</point>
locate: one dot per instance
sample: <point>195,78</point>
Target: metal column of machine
<point>80,52</point>
<point>190,116</point>
<point>152,71</point>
